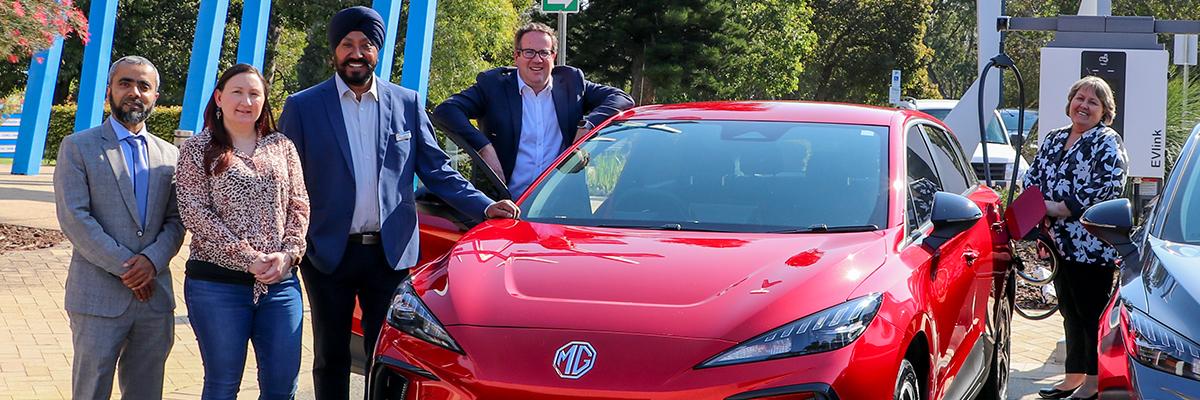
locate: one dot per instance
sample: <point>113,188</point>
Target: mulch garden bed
<point>21,238</point>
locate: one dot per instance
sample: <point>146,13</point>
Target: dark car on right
<point>1150,332</point>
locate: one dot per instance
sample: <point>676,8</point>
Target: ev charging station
<point>1124,51</point>
<point>1138,78</point>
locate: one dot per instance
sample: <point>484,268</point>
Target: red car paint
<point>654,304</point>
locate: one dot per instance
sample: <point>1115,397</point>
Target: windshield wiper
<point>822,228</point>
<point>663,227</point>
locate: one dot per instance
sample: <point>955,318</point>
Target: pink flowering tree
<point>30,26</point>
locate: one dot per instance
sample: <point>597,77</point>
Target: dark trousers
<point>363,273</point>
<point>1083,292</point>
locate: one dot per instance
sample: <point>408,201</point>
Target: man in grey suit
<point>115,192</point>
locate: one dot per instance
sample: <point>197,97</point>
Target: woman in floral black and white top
<point>1078,166</point>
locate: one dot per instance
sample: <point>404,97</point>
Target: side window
<point>947,161</point>
<point>964,163</point>
<point>923,180</point>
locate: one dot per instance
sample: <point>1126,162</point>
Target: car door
<point>946,283</point>
<point>972,255</point>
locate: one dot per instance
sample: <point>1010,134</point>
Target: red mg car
<point>732,250</point>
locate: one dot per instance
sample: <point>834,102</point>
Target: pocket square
<point>401,136</point>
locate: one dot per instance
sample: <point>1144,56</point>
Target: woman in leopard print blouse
<point>1078,166</point>
<point>242,196</point>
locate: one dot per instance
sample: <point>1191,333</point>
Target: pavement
<point>35,336</point>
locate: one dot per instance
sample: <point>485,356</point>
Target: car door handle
<point>970,256</point>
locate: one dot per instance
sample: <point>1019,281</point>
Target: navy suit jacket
<point>313,120</point>
<point>495,102</point>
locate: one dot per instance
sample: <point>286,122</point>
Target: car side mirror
<point>1015,138</point>
<point>952,214</point>
<point>1112,221</point>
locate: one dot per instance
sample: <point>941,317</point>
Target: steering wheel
<point>651,202</point>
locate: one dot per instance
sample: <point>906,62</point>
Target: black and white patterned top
<point>1090,172</point>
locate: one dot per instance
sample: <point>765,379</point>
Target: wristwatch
<point>585,125</point>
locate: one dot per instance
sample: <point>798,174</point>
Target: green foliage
<point>659,50</point>
<point>779,39</point>
<point>29,26</point>
<point>861,42</point>
<point>471,36</point>
<point>954,40</point>
<point>162,123</point>
<point>1179,125</point>
<point>160,30</point>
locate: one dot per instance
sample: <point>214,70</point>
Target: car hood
<point>1172,284</point>
<point>693,284</point>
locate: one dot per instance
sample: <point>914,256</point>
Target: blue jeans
<point>224,317</point>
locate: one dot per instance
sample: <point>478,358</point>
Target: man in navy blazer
<point>530,113</point>
<point>361,140</point>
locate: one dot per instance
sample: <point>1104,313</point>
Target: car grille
<point>997,171</point>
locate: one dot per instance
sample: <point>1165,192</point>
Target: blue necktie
<point>139,173</point>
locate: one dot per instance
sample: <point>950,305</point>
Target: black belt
<point>368,238</point>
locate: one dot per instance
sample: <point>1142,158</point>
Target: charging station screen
<point>1109,66</point>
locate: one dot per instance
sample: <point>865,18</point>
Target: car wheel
<point>996,387</point>
<point>907,386</point>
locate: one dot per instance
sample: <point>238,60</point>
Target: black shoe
<point>1056,393</point>
<point>1092,397</point>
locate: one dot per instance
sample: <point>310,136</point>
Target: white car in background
<point>999,145</point>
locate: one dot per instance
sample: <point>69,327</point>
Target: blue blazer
<point>313,120</point>
<point>495,102</point>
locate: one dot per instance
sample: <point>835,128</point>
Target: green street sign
<point>560,6</point>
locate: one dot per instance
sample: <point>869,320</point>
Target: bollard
<point>182,135</point>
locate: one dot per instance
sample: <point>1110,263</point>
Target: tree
<point>663,51</point>
<point>160,30</point>
<point>30,26</point>
<point>470,36</point>
<point>954,40</point>
<point>780,39</point>
<point>862,40</point>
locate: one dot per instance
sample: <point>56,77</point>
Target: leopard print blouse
<point>258,205</point>
<point>1090,172</point>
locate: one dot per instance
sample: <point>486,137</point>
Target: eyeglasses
<point>531,53</point>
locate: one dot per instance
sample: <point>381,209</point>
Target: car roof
<point>779,111</point>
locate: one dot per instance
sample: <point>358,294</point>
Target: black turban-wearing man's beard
<point>356,79</point>
<point>137,113</point>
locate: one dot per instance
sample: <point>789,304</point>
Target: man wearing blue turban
<point>362,141</point>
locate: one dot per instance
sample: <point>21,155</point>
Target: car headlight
<point>410,315</point>
<point>1156,346</point>
<point>825,330</point>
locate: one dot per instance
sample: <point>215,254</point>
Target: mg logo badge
<point>574,359</point>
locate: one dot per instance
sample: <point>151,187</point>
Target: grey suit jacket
<point>98,213</point>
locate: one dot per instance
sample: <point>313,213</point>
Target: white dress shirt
<point>362,130</point>
<point>541,139</point>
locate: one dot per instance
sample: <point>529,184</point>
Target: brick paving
<point>35,334</point>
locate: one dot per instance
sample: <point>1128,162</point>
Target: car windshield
<point>728,176</point>
<point>1183,218</point>
<point>1010,119</point>
<point>994,133</point>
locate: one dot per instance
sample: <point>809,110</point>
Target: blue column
<point>202,72</point>
<point>418,46</point>
<point>252,45</point>
<point>35,112</point>
<point>97,55</point>
<point>390,10</point>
